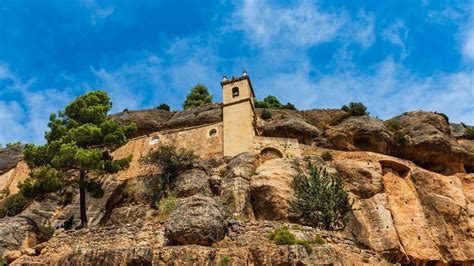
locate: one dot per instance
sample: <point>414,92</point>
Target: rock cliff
<point>410,179</point>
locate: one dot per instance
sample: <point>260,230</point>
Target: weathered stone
<point>192,182</point>
<point>242,165</point>
<point>12,255</point>
<point>235,193</point>
<point>10,156</point>
<point>292,128</point>
<point>198,220</point>
<point>14,233</point>
<point>147,121</point>
<point>205,114</point>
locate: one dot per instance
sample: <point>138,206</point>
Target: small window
<point>154,140</point>
<point>235,92</point>
<point>212,133</point>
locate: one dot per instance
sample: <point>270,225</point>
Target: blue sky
<point>394,56</point>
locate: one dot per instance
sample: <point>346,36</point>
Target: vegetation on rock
<point>172,161</point>
<point>198,96</point>
<point>78,149</point>
<point>326,156</point>
<point>320,200</point>
<point>164,107</point>
<point>283,236</point>
<point>14,205</point>
<point>469,134</point>
<point>272,102</point>
<point>446,118</point>
<point>266,115</point>
<point>354,109</point>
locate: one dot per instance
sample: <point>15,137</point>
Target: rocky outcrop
<point>192,182</point>
<point>272,189</point>
<point>10,156</point>
<point>205,114</point>
<point>198,220</point>
<point>147,121</point>
<point>360,133</point>
<point>291,128</point>
<point>425,138</point>
<point>16,232</point>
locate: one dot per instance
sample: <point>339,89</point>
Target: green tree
<point>320,200</point>
<point>198,96</point>
<point>355,109</point>
<point>163,106</point>
<point>78,149</point>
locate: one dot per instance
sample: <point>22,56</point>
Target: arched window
<point>154,140</point>
<point>212,133</point>
<point>235,92</point>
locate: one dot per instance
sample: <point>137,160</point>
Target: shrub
<point>163,106</point>
<point>43,180</point>
<point>168,204</point>
<point>15,204</point>
<point>45,232</point>
<point>337,119</point>
<point>283,236</point>
<point>469,133</point>
<point>289,106</point>
<point>320,200</point>
<point>224,260</point>
<point>273,102</point>
<point>172,161</point>
<point>392,124</point>
<point>260,104</point>
<point>198,96</point>
<point>3,261</point>
<point>305,244</point>
<point>319,240</point>
<point>444,116</point>
<point>355,109</point>
<point>266,114</point>
<point>125,110</point>
<point>326,156</point>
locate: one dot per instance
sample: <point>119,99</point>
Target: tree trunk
<point>82,199</point>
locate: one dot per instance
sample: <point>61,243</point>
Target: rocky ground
<point>408,177</point>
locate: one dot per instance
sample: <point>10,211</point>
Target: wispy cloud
<point>397,34</point>
<point>97,11</point>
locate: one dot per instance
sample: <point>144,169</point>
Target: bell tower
<point>239,116</point>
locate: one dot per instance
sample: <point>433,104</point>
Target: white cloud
<point>300,25</point>
<point>397,34</point>
<point>468,41</point>
<point>362,29</point>
<point>97,11</point>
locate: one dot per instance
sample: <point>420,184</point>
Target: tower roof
<point>235,79</point>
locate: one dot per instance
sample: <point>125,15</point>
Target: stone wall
<point>197,138</point>
<point>288,147</point>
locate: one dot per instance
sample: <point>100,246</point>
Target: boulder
<point>360,133</point>
<point>147,121</point>
<point>15,232</point>
<point>425,138</point>
<point>12,255</point>
<point>242,165</point>
<point>292,128</point>
<point>235,193</point>
<point>192,182</point>
<point>320,117</point>
<point>198,220</point>
<point>361,177</point>
<point>9,157</point>
<point>205,114</point>
<point>272,189</point>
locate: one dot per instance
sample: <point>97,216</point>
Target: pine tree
<point>198,96</point>
<point>78,149</point>
<point>320,200</point>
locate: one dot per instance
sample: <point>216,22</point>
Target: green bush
<point>320,200</point>
<point>224,260</point>
<point>319,240</point>
<point>266,114</point>
<point>172,161</point>
<point>3,261</point>
<point>469,134</point>
<point>337,119</point>
<point>355,109</point>
<point>198,96</point>
<point>326,156</point>
<point>392,124</point>
<point>125,110</point>
<point>43,180</point>
<point>283,236</point>
<point>168,204</point>
<point>289,106</point>
<point>15,204</point>
<point>272,102</point>
<point>444,116</point>
<point>45,232</point>
<point>163,106</point>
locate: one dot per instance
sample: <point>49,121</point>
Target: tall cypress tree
<point>78,149</point>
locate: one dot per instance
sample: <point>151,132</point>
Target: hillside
<point>411,180</point>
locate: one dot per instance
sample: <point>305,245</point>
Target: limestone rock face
<point>360,133</point>
<point>292,128</point>
<point>427,141</point>
<point>272,189</point>
<point>205,114</point>
<point>242,165</point>
<point>9,157</point>
<point>198,220</point>
<point>14,232</point>
<point>147,121</point>
<point>192,182</point>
